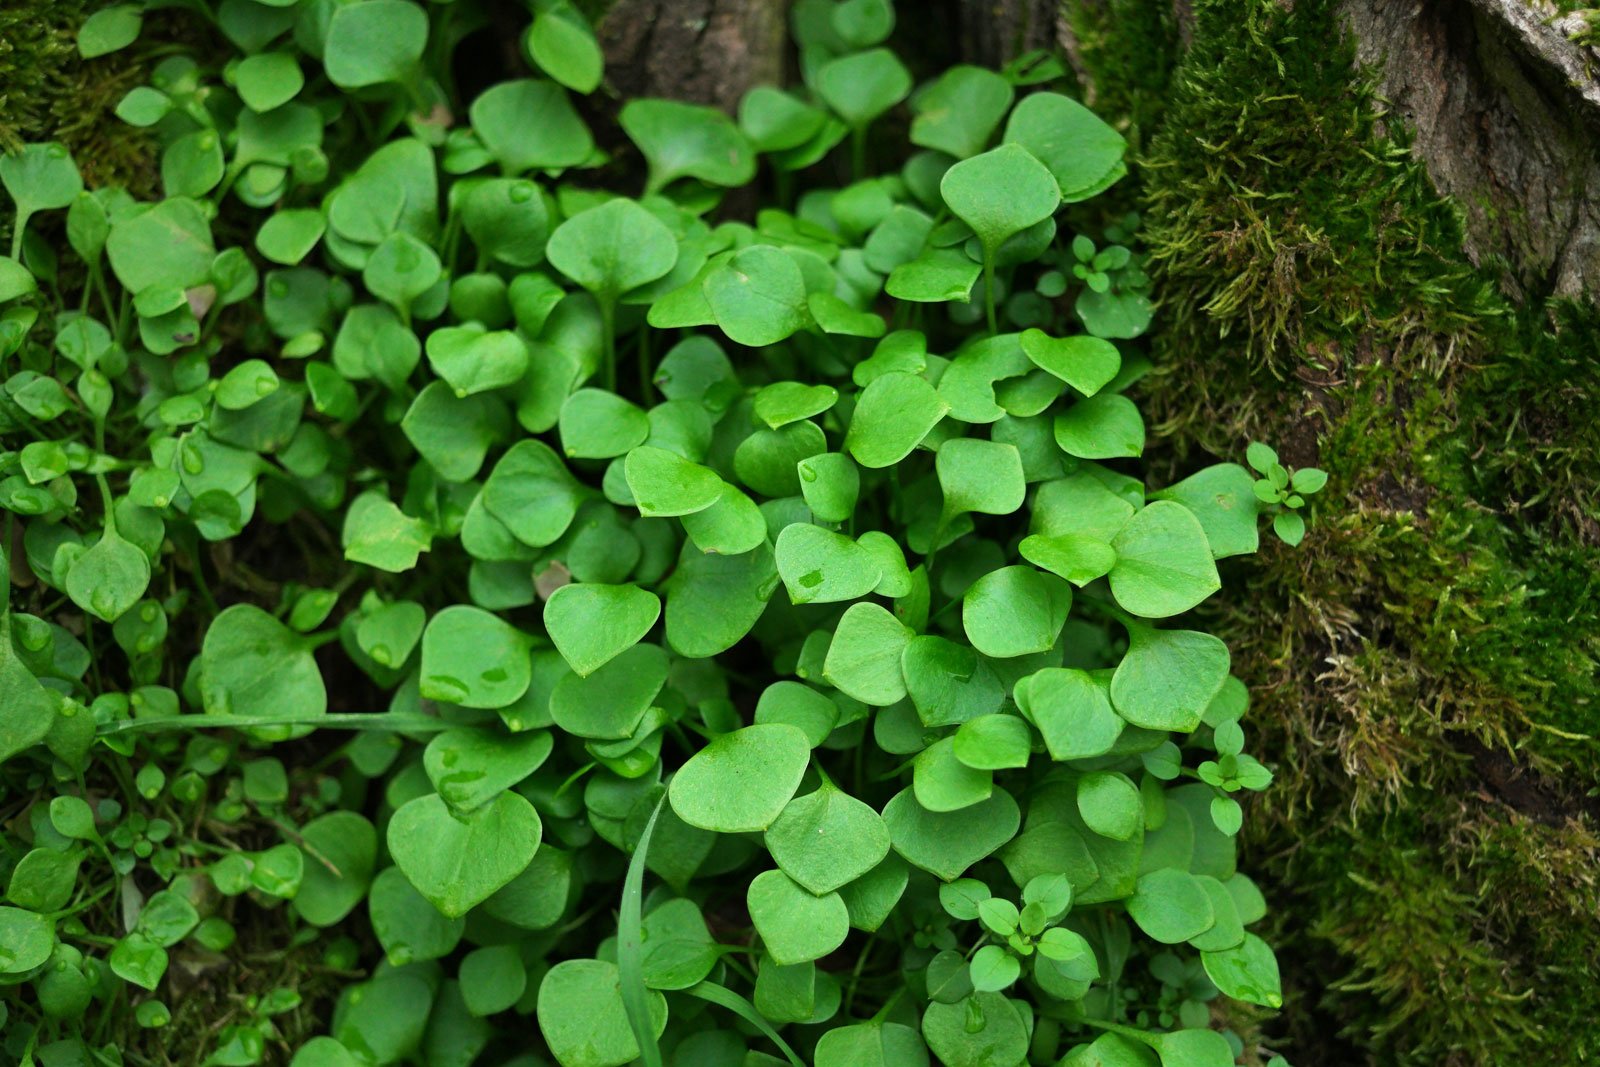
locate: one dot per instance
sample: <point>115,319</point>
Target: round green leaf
<point>26,940</point>
<point>741,781</point>
<point>582,1016</point>
<point>474,360</point>
<point>946,844</point>
<point>663,483</point>
<point>268,79</point>
<point>681,140</point>
<point>564,47</point>
<point>827,838</point>
<point>40,177</point>
<point>1015,611</point>
<point>612,248</point>
<point>949,683</point>
<point>1168,677</point>
<point>937,276</point>
<point>374,42</point>
<point>1248,972</point>
<point>942,783</point>
<point>530,124</point>
<point>863,658</point>
<point>862,86</point>
<point>795,925</point>
<point>596,424</point>
<point>758,296</point>
<point>993,742</point>
<point>960,111</point>
<point>381,535</point>
<point>458,860</point>
<point>531,491</point>
<point>469,768</point>
<point>1111,805</point>
<point>409,928</point>
<point>1104,426</point>
<point>819,566</point>
<point>775,120</point>
<point>874,1044</point>
<point>472,658</point>
<point>1072,710</point>
<point>341,850</point>
<point>287,237</point>
<point>1086,363</point>
<point>781,403</point>
<point>1164,564</point>
<point>892,416</point>
<point>1000,193</point>
<point>1222,498</point>
<point>251,664</point>
<point>1171,906</point>
<point>713,600</point>
<point>109,30</point>
<point>982,476</point>
<point>591,623</point>
<point>167,244</point>
<point>109,578</point>
<point>982,1030</point>
<point>493,979</point>
<point>1081,151</point>
<point>609,703</point>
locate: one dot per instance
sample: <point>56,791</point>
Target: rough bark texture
<point>1505,111</point>
<point>997,31</point>
<point>705,51</point>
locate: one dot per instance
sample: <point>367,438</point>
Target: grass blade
<point>727,998</point>
<point>630,947</point>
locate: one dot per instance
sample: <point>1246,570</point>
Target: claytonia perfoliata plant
<point>595,627</point>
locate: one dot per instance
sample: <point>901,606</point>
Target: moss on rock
<point>1425,664</point>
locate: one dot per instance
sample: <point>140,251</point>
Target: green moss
<point>49,92</point>
<point>1425,664</point>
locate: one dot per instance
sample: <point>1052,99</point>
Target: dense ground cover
<point>484,562</point>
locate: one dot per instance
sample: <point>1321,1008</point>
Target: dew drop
<point>521,193</point>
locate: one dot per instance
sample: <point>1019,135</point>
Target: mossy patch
<point>1425,664</point>
<point>49,92</point>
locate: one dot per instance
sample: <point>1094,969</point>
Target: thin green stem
<point>608,323</point>
<point>16,235</point>
<point>858,153</point>
<point>988,292</point>
<point>386,721</point>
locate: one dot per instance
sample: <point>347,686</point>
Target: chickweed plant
<point>597,626</point>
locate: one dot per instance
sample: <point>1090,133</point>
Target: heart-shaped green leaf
<point>472,658</point>
<point>688,141</point>
<point>827,838</point>
<point>1168,677</point>
<point>1163,563</point>
<point>795,925</point>
<point>758,297</point>
<point>469,768</point>
<point>946,844</point>
<point>1000,193</point>
<point>741,781</point>
<point>592,623</point>
<point>819,566</point>
<point>458,860</point>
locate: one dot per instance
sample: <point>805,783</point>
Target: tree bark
<point>703,51</point>
<point>1505,111</point>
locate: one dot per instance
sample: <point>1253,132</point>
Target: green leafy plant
<point>1284,491</point>
<point>530,599</point>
